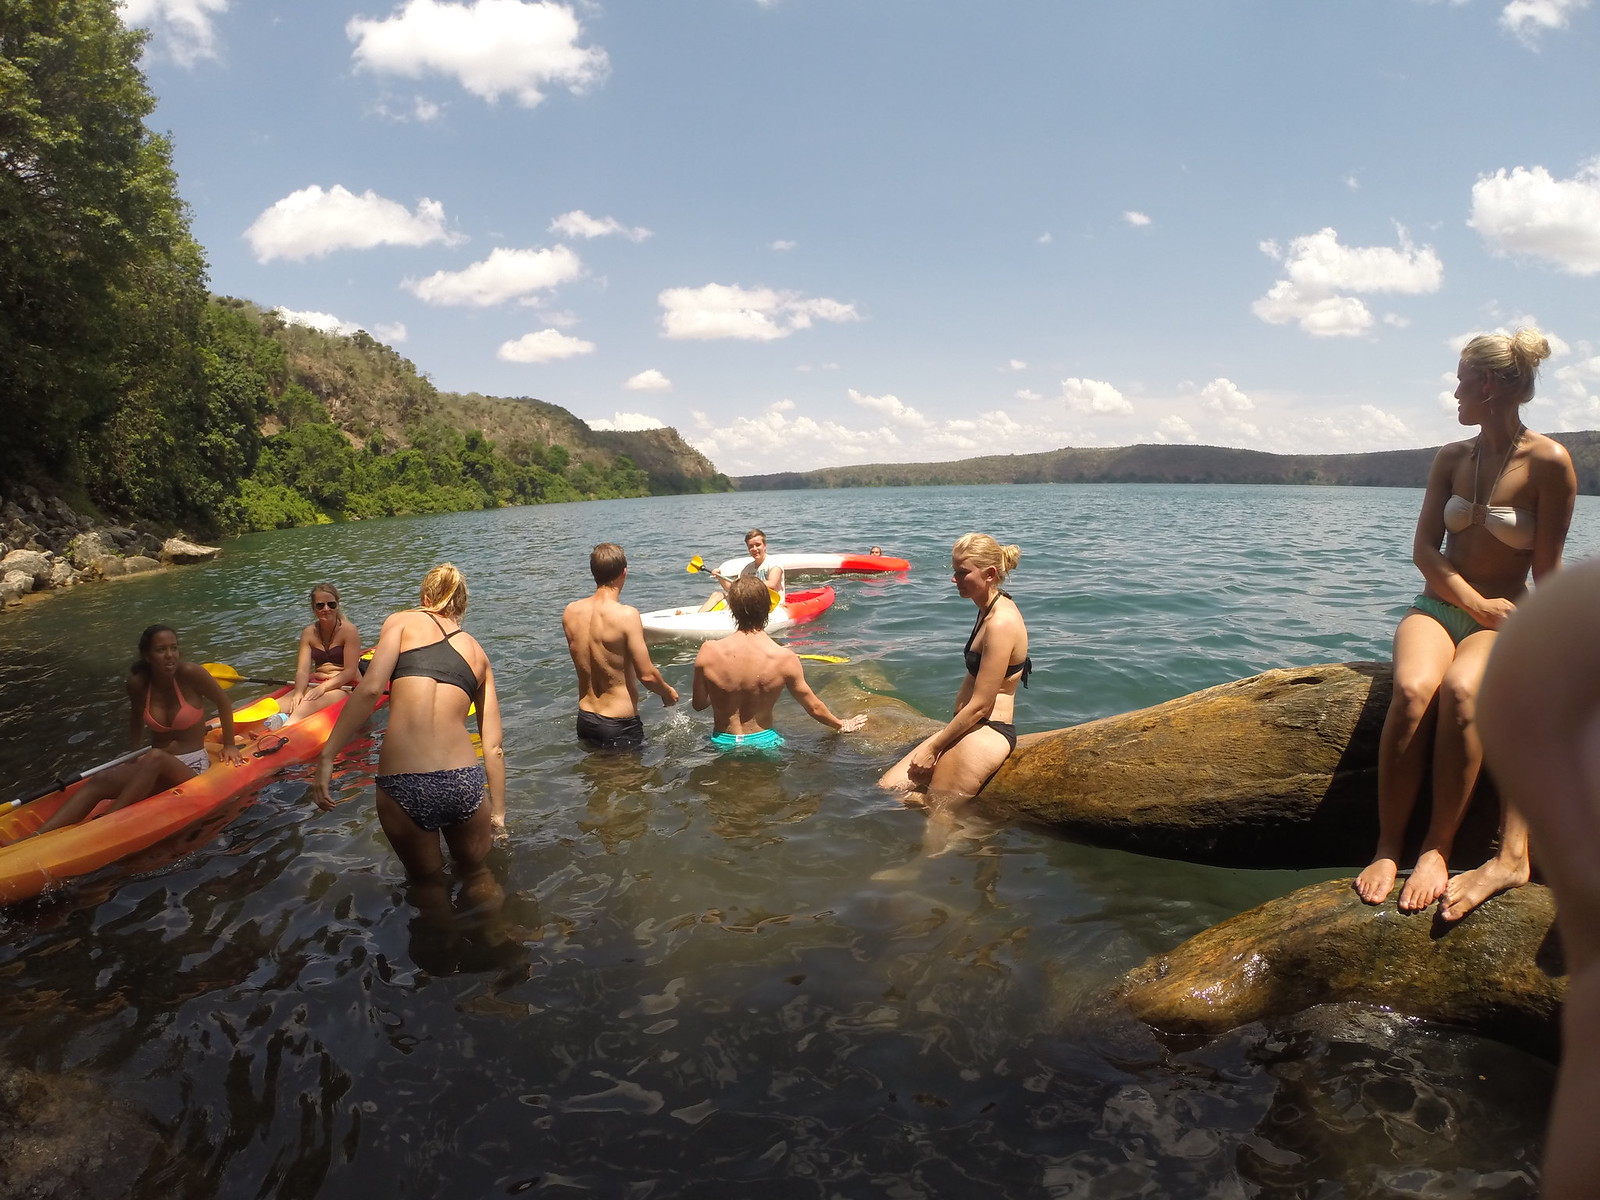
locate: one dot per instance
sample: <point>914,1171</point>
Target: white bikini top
<point>1512,526</point>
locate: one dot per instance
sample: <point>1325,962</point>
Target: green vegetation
<point>133,391</point>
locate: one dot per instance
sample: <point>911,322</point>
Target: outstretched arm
<point>494,755</point>
<point>794,678</point>
<point>358,708</point>
<point>643,668</point>
<point>212,691</point>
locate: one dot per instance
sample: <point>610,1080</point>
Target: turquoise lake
<point>735,978</point>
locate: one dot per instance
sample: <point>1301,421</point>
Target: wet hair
<point>147,639</point>
<point>1512,360</point>
<point>984,551</point>
<point>750,602</point>
<point>754,533</point>
<point>444,591</point>
<point>323,587</point>
<point>607,562</point>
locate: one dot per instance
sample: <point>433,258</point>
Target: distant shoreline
<point>1161,464</point>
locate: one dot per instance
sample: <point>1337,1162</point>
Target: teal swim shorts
<point>766,739</point>
<point>1457,622</point>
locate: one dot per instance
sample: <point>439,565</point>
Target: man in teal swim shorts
<point>740,677</point>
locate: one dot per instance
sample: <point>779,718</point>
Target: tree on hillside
<point>102,288</point>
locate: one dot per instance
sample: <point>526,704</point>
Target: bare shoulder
<point>1545,449</point>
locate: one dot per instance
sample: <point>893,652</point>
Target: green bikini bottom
<point>1457,622</point>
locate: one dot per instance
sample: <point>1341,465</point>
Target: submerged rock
<point>1279,770</point>
<point>64,1137</point>
<point>1499,971</point>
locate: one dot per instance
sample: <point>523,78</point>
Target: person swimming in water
<point>1500,503</point>
<point>957,761</point>
<point>740,677</point>
<point>166,697</point>
<point>430,784</point>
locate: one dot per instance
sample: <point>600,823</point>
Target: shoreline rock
<point>1499,971</point>
<point>1279,770</point>
<point>45,546</point>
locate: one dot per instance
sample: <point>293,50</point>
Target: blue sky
<point>818,232</point>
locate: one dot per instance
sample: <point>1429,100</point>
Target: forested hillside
<point>1163,464</point>
<point>131,391</point>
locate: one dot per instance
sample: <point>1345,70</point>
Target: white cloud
<point>393,335</point>
<point>182,30</point>
<point>1527,19</point>
<point>504,275</point>
<point>751,314</point>
<point>1174,428</point>
<point>578,223</point>
<point>1223,396</point>
<point>1528,211</point>
<point>324,322</point>
<point>1044,239</point>
<point>311,223</point>
<point>492,48</point>
<point>1015,364</point>
<point>1093,397</point>
<point>781,244</point>
<point>892,407</point>
<point>1319,269</point>
<point>775,436</point>
<point>627,421</point>
<point>547,345</point>
<point>1577,394</point>
<point>1136,219</point>
<point>648,381</point>
<point>1028,394</point>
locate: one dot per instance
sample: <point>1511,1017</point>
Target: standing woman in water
<point>1500,503</point>
<point>430,783</point>
<point>957,761</point>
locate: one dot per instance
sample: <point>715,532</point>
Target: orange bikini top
<point>187,716</point>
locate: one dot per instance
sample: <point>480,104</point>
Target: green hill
<point>1162,464</point>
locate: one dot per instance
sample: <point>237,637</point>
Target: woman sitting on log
<point>957,761</point>
<point>1500,503</point>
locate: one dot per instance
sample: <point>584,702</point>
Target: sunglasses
<point>324,604</point>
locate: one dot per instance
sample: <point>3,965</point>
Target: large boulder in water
<point>177,551</point>
<point>1279,770</point>
<point>1498,971</point>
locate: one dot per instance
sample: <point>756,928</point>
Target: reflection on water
<point>720,976</point>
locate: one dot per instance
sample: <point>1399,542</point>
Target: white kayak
<point>822,564</point>
<point>693,625</point>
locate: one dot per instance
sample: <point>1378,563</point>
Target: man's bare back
<point>606,640</point>
<point>741,677</point>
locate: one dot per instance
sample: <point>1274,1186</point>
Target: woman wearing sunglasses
<point>330,655</point>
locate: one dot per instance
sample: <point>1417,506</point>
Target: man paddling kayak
<point>770,574</point>
<point>167,696</point>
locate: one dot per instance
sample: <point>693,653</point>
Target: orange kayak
<point>29,865</point>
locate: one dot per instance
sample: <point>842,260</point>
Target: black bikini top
<point>974,660</point>
<point>438,661</point>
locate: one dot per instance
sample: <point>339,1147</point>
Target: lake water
<point>735,978</point>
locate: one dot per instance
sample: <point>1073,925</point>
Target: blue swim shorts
<point>766,739</point>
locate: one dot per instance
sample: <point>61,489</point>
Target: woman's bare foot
<point>1427,883</point>
<point>1375,883</point>
<point>1471,888</point>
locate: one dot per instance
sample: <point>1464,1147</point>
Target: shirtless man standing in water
<point>740,677</point>
<point>606,640</point>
